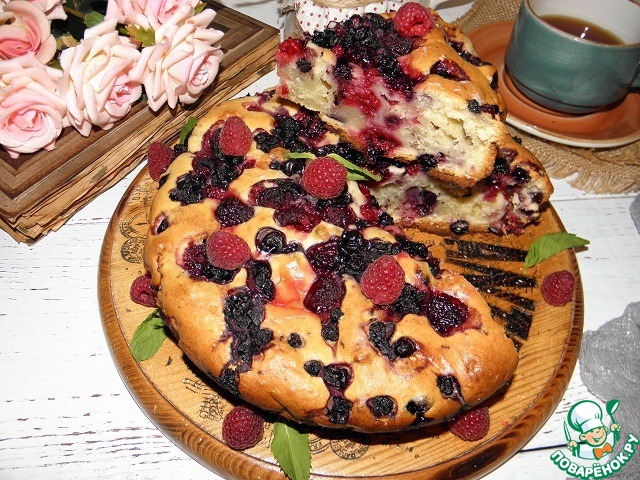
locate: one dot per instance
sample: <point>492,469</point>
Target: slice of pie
<point>403,85</point>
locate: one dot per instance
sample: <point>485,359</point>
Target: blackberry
<point>449,387</point>
<point>351,253</point>
<point>287,129</point>
<point>427,162</point>
<point>241,312</point>
<point>382,406</point>
<point>418,408</point>
<point>266,141</point>
<point>218,275</point>
<point>330,332</point>
<point>379,335</point>
<point>377,248</point>
<point>411,300</point>
<point>336,377</point>
<point>294,340</point>
<point>459,227</point>
<point>342,71</point>
<point>283,192</point>
<point>189,189</point>
<point>416,250</point>
<point>180,148</point>
<point>313,367</point>
<point>232,211</point>
<point>259,279</point>
<point>228,379</point>
<point>326,39</point>
<point>339,411</point>
<point>252,342</point>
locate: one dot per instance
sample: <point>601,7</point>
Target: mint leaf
<point>295,155</point>
<point>548,245</point>
<point>148,337</point>
<point>355,172</point>
<point>292,451</point>
<point>93,18</point>
<point>187,128</point>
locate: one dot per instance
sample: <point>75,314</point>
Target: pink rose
<point>53,9</point>
<point>183,62</point>
<point>31,110</point>
<point>146,13</point>
<point>97,84</point>
<point>24,28</point>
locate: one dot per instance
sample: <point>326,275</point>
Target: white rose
<point>183,62</point>
<point>97,84</point>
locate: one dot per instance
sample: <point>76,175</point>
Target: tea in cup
<point>575,56</point>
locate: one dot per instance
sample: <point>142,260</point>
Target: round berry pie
<point>405,85</point>
<point>284,280</point>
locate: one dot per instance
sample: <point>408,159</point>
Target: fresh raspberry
<point>471,425</point>
<point>413,20</point>
<point>235,137</point>
<point>288,50</point>
<point>159,157</point>
<point>142,292</point>
<point>242,428</point>
<point>324,177</point>
<point>557,288</point>
<point>383,280</point>
<point>226,250</point>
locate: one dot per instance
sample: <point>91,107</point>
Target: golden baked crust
<point>357,365</point>
<point>440,99</point>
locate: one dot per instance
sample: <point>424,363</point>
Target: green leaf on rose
<point>200,7</point>
<point>354,172</point>
<point>292,451</point>
<point>93,18</point>
<point>187,129</point>
<point>549,244</point>
<point>148,337</point>
<point>146,36</point>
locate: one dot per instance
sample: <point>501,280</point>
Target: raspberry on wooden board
<point>472,425</point>
<point>242,428</point>
<point>557,288</point>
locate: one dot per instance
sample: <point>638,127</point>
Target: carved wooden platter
<point>189,409</point>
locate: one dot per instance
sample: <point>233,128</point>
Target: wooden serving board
<point>40,191</point>
<point>189,409</point>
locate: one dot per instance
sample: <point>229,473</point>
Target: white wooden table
<point>65,412</point>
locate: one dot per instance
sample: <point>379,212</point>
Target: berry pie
<point>285,281</point>
<point>404,85</point>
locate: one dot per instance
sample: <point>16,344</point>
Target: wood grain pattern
<point>189,409</point>
<point>40,191</point>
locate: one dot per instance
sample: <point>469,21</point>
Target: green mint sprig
<point>187,128</point>
<point>292,451</point>
<point>549,244</point>
<point>148,337</point>
<point>354,172</point>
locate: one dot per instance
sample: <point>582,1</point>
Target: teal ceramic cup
<point>560,71</point>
